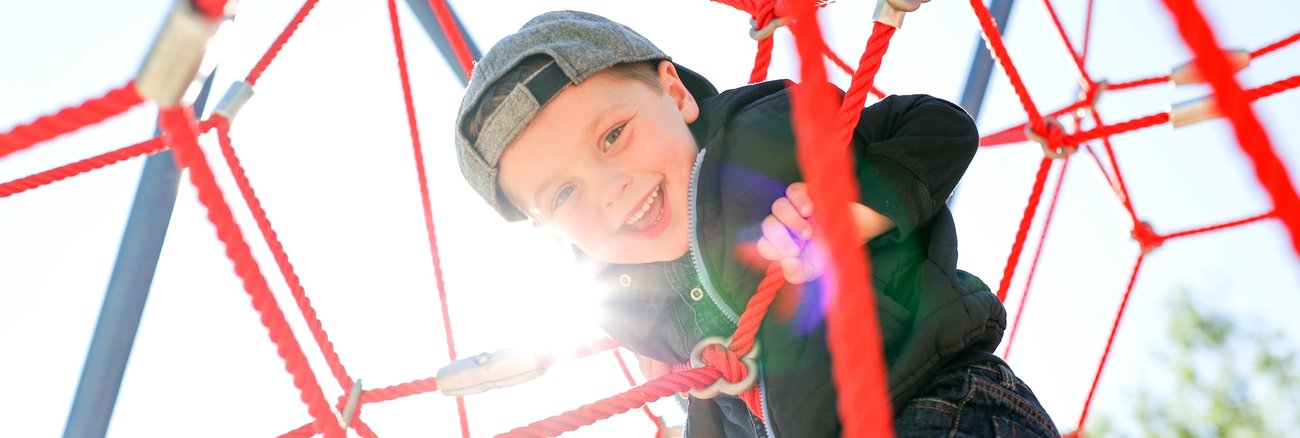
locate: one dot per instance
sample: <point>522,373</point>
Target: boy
<point>582,125</point>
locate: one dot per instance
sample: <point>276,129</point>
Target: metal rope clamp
<point>486,371</point>
<point>891,12</point>
<point>767,31</point>
<point>236,96</point>
<point>173,61</point>
<point>1187,73</point>
<point>722,385</point>
<point>1053,152</point>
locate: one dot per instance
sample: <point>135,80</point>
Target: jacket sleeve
<point>911,152</point>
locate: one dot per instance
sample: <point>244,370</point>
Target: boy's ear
<point>673,86</point>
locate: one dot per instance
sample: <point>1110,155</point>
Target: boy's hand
<point>787,231</point>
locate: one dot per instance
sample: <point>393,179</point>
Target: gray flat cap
<point>581,44</point>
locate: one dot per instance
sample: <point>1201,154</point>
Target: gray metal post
<point>424,13</point>
<point>981,65</point>
<point>119,318</point>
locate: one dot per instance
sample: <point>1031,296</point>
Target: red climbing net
<point>858,367</point>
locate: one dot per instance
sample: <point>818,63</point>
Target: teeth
<point>644,208</point>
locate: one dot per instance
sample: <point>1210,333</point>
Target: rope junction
<point>858,367</point>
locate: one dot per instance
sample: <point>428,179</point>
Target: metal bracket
<point>486,371</point>
<point>1189,74</point>
<point>173,61</point>
<point>236,96</point>
<point>722,385</point>
<point>354,400</point>
<point>1192,111</point>
<point>891,12</point>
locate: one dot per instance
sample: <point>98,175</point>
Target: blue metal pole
<point>981,65</point>
<point>119,318</point>
<point>424,13</point>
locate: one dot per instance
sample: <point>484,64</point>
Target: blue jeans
<point>981,400</point>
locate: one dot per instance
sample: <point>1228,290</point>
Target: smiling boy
<point>583,126</point>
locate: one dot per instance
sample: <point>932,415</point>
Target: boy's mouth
<point>646,221</point>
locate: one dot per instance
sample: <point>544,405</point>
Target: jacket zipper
<point>697,258</point>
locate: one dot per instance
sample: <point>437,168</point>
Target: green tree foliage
<point>1230,378</point>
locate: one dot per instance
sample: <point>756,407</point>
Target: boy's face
<point>607,163</point>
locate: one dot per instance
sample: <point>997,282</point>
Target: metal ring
<point>722,385</point>
<point>766,31</point>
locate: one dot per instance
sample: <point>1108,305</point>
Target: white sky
<point>325,144</point>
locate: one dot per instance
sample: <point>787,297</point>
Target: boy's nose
<point>615,188</point>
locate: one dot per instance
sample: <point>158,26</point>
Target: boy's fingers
<point>798,194</point>
<point>785,212</point>
<point>779,236</point>
<point>793,270</point>
<point>768,251</point>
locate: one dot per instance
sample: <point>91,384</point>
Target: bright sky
<point>325,144</point>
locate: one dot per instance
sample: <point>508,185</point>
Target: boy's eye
<point>561,196</point>
<point>612,136</point>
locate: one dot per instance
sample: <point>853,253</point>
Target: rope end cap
<point>1193,111</point>
<point>891,12</point>
<point>1189,74</point>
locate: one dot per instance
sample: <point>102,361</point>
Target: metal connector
<point>1198,110</point>
<point>891,12</point>
<point>486,371</point>
<point>767,31</point>
<point>1053,152</point>
<point>1189,74</point>
<point>354,400</point>
<point>236,96</point>
<point>177,52</point>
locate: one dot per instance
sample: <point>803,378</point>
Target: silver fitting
<point>722,386</point>
<point>173,61</point>
<point>354,399</point>
<point>234,99</point>
<point>891,12</point>
<point>1197,110</point>
<point>1189,74</point>
<point>487,371</point>
<point>767,31</point>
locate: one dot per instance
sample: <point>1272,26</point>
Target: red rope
<point>424,197</point>
<point>286,267</point>
<point>26,183</point>
<point>1138,83</point>
<point>265,61</point>
<point>763,14</point>
<point>1087,32</point>
<point>857,368</point>
<point>1110,340</point>
<point>1235,104</point>
<point>1016,134</point>
<point>179,130</point>
<point>1118,128</point>
<point>994,39</point>
<point>1013,259</point>
<point>454,38</point>
<point>839,62</point>
<point>1120,187</point>
<point>856,96</point>
<point>627,373</point>
<point>695,378</point>
<point>1276,45</point>
<point>114,102</point>
<point>1218,227</point>
<point>1033,266</point>
<point>1273,88</point>
<point>1069,46</point>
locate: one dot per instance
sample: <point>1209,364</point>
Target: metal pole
<point>424,13</point>
<point>119,318</point>
<point>981,65</point>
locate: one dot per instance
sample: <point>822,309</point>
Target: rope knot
<point>1146,237</point>
<point>738,373</point>
<point>1053,141</point>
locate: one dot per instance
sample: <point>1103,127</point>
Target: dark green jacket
<point>910,152</point>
